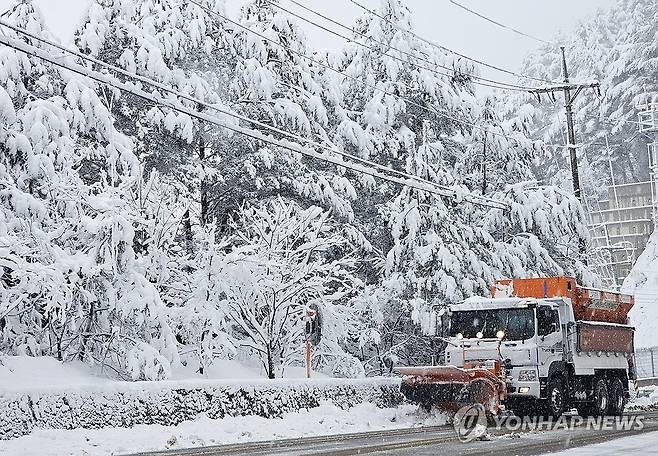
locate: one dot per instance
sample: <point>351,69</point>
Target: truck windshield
<point>518,324</point>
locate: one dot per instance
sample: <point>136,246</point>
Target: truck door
<point>549,338</point>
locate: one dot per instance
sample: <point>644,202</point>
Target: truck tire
<point>600,401</point>
<point>556,399</point>
<point>617,397</point>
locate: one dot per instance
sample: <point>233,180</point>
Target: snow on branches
<point>139,239</point>
<point>282,260</point>
<point>70,285</point>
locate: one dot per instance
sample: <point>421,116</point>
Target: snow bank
<point>42,374</point>
<point>637,444</point>
<point>647,399</point>
<point>75,400</point>
<point>643,283</point>
<point>327,419</point>
<point>24,373</point>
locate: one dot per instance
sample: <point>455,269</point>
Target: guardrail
<point>646,366</point>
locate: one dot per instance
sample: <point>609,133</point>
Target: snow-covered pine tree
<point>391,103</point>
<point>276,85</point>
<point>498,150</point>
<point>71,286</point>
<point>182,46</point>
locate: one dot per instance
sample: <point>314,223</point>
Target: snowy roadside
<point>324,420</point>
<point>646,400</point>
<point>643,283</point>
<point>637,444</point>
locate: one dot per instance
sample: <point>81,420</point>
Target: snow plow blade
<point>450,388</point>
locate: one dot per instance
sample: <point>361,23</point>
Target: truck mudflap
<point>449,388</point>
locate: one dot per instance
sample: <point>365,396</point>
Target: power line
<point>489,82</point>
<point>431,110</point>
<point>443,48</point>
<point>108,81</point>
<point>498,23</point>
<point>223,111</point>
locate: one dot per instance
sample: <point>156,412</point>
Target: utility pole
<point>571,92</point>
<point>571,133</point>
<point>567,89</point>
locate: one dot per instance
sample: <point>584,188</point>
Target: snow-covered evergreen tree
<point>276,85</point>
<point>71,285</point>
<point>181,46</point>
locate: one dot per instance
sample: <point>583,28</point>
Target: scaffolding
<point>648,124</point>
<point>601,251</point>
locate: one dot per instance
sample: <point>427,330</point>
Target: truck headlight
<point>529,375</point>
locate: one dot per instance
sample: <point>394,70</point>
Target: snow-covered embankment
<point>643,283</point>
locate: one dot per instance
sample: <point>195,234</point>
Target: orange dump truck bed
<point>588,304</point>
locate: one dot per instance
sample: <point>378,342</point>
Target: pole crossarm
<point>576,87</point>
<point>570,86</point>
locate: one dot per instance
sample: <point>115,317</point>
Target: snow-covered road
<point>442,440</point>
<point>328,430</point>
<point>324,420</point>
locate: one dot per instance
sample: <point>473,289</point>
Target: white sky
<point>437,20</point>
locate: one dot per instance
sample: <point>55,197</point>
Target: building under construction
<point>622,226</point>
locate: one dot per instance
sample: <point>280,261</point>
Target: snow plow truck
<point>539,346</point>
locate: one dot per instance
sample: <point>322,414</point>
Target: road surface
<point>421,441</point>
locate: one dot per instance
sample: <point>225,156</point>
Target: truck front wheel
<point>556,400</point>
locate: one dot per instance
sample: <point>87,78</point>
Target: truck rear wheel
<point>600,401</point>
<point>617,397</point>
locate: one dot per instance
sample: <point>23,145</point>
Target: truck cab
<point>506,331</point>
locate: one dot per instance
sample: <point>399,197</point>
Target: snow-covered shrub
<point>169,403</point>
<point>347,366</point>
<point>280,260</point>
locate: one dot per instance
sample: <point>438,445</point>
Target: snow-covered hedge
<point>170,403</point>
